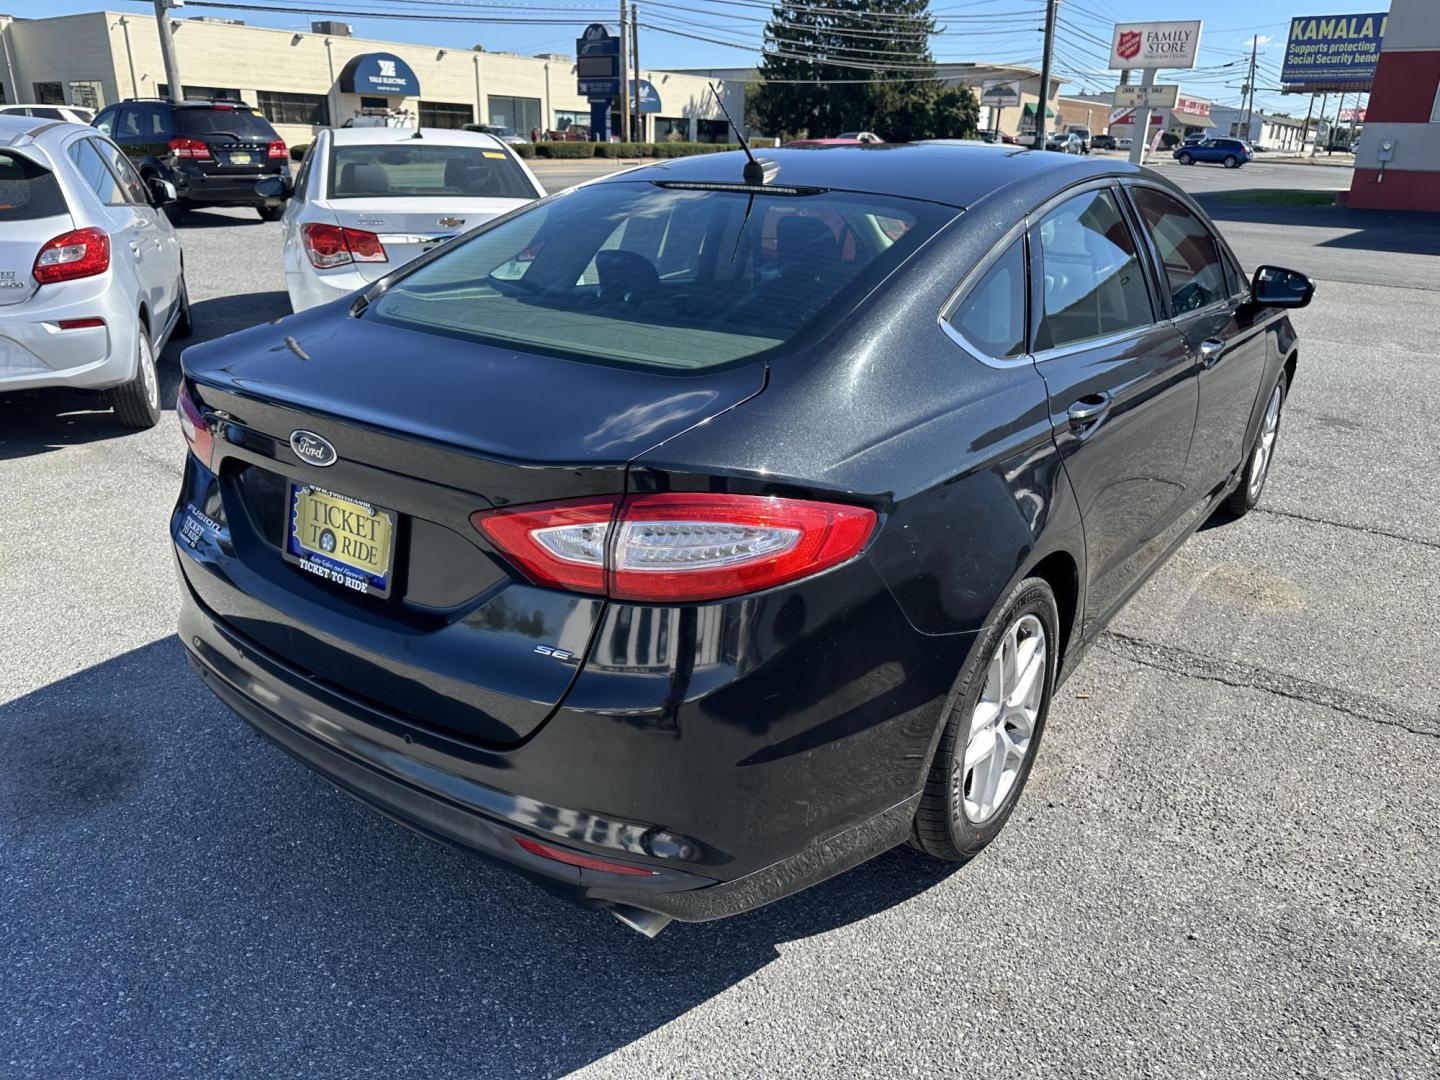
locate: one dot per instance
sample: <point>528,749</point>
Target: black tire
<point>1246,495</point>
<point>1186,159</point>
<point>137,402</point>
<point>270,213</point>
<point>184,325</point>
<point>1231,161</point>
<point>943,827</point>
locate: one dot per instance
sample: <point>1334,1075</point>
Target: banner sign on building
<point>1000,93</point>
<point>1333,50</point>
<point>1192,106</point>
<point>1147,97</point>
<point>647,99</point>
<point>379,74</point>
<point>1154,45</point>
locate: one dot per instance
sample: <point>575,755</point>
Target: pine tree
<point>848,65</point>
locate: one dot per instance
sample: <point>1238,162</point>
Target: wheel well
<point>1063,576</point>
<point>1290,364</point>
<point>145,318</point>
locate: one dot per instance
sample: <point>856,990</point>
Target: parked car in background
<point>683,544</point>
<point>74,114</point>
<point>994,135</point>
<point>1103,142</point>
<point>1083,134</point>
<point>848,138</point>
<point>500,131</point>
<point>1066,142</point>
<point>212,152</point>
<point>1232,153</point>
<point>92,278</point>
<point>368,200</point>
<point>1125,143</point>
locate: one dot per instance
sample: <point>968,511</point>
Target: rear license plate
<point>344,540</point>
<point>241,159</point>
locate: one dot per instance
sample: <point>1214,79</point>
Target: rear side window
<point>130,182</point>
<point>1188,250</point>
<point>27,191</point>
<point>992,316</point>
<point>241,123</point>
<point>409,170</point>
<point>96,173</point>
<point>1093,282</point>
<point>655,277</point>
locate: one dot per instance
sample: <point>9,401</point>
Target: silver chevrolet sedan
<point>91,275</point>
<point>368,200</point>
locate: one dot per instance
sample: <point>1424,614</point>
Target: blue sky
<point>995,30</point>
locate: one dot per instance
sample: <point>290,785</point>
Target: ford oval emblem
<point>312,449</point>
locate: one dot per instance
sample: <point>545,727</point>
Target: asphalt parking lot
<point>1225,863</point>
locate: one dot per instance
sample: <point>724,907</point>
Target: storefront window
<point>203,93</point>
<point>49,93</point>
<point>445,114</point>
<point>283,108</point>
<point>712,131</point>
<point>564,118</point>
<point>518,113</point>
<point>671,129</point>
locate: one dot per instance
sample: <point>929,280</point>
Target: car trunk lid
<point>429,429</point>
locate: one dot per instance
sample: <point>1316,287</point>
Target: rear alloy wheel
<point>1257,467</point>
<point>1186,159</point>
<point>137,402</point>
<point>1232,162</point>
<point>993,724</point>
<point>270,213</point>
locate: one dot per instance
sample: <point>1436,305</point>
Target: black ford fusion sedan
<point>682,540</point>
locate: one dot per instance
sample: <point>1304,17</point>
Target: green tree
<point>848,65</point>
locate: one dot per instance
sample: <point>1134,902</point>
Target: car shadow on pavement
<point>181,890</point>
<point>39,421</point>
<point>1390,231</point>
<point>217,218</point>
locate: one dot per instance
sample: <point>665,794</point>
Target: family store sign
<point>1154,45</point>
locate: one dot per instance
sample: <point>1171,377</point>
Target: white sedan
<point>367,200</point>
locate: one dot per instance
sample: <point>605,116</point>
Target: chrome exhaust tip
<point>649,923</point>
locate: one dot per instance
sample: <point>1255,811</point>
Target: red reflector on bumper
<point>80,324</point>
<point>574,858</point>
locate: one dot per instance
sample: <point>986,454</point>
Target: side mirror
<point>273,187</point>
<point>1274,286</point>
<point>161,192</point>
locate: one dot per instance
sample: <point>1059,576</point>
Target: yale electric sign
<point>1333,49</point>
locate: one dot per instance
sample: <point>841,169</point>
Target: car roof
<point>373,136</point>
<point>954,172</point>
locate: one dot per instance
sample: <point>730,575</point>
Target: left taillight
<point>677,547</point>
<point>79,253</point>
<point>277,150</point>
<point>193,426</point>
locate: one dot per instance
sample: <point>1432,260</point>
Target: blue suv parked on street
<point>1232,153</point>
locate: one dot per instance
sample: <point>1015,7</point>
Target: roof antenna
<point>757,170</point>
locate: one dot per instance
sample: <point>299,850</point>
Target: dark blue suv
<point>1232,153</point>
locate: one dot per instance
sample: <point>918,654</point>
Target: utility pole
<point>627,132</point>
<point>1051,7</point>
<point>167,50</point>
<point>1250,88</point>
<point>1339,116</point>
<point>635,64</point>
<point>1305,131</point>
<point>1324,100</point>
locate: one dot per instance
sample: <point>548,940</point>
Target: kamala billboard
<point>1333,50</point>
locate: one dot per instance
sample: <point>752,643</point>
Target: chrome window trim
<point>1072,347</point>
<point>961,293</point>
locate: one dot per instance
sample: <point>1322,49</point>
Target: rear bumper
<point>237,190</point>
<point>425,782</point>
<point>36,353</point>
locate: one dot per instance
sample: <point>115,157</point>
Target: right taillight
<point>329,246</point>
<point>677,547</point>
<point>197,432</point>
<point>190,148</point>
<point>79,253</point>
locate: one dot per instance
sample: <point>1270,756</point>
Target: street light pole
<point>1050,15</point>
<point>627,133</point>
<point>167,50</point>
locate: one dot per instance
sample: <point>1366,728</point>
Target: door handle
<point>1210,350</point>
<point>1089,410</point>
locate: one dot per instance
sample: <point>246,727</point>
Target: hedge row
<point>594,149</point>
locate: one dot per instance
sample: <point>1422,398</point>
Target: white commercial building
<point>1283,133</point>
<point>301,81</point>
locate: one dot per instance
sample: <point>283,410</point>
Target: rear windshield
<point>636,273</point>
<point>27,191</point>
<point>414,169</point>
<point>242,123</point>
